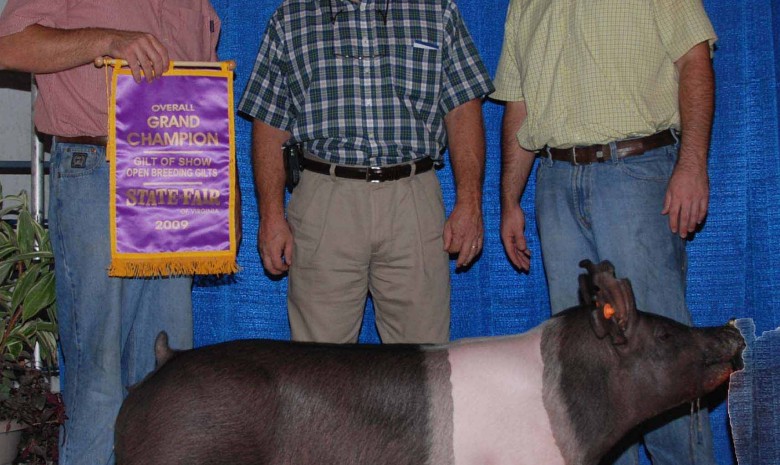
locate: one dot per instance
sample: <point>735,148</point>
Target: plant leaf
<point>40,296</point>
<point>7,233</point>
<point>7,249</point>
<point>47,338</point>
<point>35,255</point>
<point>26,281</point>
<point>5,269</point>
<point>14,348</point>
<point>25,232</point>
<point>13,210</point>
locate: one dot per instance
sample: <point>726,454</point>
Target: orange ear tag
<point>608,311</point>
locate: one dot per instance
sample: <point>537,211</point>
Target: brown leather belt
<point>83,140</point>
<point>601,153</point>
<point>370,174</point>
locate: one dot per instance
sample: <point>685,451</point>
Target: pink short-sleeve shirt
<point>73,102</point>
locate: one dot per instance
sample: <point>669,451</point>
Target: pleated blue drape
<point>733,262</point>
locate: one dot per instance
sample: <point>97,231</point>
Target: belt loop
<point>549,153</point>
<point>332,170</point>
<point>413,169</point>
<point>674,135</point>
<point>574,156</point>
<point>613,152</point>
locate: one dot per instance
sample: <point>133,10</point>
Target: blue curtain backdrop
<point>734,267</point>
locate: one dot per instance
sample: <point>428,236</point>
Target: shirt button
<point>368,102</point>
<point>365,42</point>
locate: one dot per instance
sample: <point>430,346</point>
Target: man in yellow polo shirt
<point>616,99</point>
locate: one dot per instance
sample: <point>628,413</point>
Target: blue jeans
<point>612,211</point>
<point>107,325</point>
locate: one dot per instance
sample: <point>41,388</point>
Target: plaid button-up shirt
<point>365,83</point>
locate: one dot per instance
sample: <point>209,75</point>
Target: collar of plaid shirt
<point>337,8</point>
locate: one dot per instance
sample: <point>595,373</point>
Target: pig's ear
<point>588,288</point>
<point>603,322</point>
<point>614,300</point>
<point>599,324</point>
<point>162,352</point>
<point>586,291</point>
<point>620,296</point>
<point>600,321</point>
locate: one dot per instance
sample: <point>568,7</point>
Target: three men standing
<point>615,95</point>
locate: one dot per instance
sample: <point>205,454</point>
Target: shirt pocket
<point>416,74</point>
<point>189,33</point>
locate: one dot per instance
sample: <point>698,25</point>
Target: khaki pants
<point>352,237</point>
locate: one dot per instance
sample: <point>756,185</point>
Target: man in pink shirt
<point>107,325</point>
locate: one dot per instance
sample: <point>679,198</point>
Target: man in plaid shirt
<point>373,90</point>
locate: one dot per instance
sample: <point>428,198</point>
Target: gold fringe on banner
<point>122,267</point>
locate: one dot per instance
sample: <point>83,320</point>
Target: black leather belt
<point>372,173</point>
<point>83,140</point>
<point>601,153</point>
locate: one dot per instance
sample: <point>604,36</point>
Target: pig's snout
<point>737,362</point>
<point>723,354</point>
<point>732,344</point>
<point>723,344</point>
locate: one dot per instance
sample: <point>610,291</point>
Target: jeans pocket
<point>543,166</point>
<point>655,165</point>
<point>73,161</point>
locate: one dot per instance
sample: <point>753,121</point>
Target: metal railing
<point>37,167</point>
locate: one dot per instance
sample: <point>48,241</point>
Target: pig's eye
<point>661,333</point>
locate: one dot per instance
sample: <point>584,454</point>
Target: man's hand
<point>275,244</point>
<point>513,237</point>
<point>687,198</point>
<point>463,233</point>
<point>141,51</point>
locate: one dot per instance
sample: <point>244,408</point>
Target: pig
<point>562,393</point>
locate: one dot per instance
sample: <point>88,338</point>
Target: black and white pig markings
<point>561,394</point>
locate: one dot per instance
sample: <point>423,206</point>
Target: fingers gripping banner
<point>173,185</point>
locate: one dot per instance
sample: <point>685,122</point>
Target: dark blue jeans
<point>612,211</point>
<point>107,325</point>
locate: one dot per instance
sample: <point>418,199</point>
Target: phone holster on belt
<point>293,160</point>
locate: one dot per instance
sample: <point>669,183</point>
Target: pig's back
<point>498,410</point>
<point>274,403</point>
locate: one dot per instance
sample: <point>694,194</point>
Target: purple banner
<point>173,154</point>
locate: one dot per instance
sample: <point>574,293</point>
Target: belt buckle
<point>374,174</point>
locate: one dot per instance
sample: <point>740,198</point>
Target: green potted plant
<point>28,319</point>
